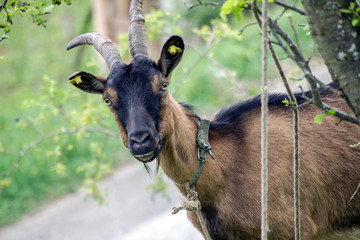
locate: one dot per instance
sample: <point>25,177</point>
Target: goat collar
<point>203,149</point>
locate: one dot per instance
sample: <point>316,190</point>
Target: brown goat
<point>155,126</point>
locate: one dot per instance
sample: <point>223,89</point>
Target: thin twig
<point>196,62</point>
<point>357,3</point>
<point>280,43</point>
<point>3,5</point>
<point>298,78</point>
<point>3,37</point>
<point>235,82</point>
<point>355,193</point>
<point>280,15</point>
<point>294,32</point>
<point>308,102</point>
<point>200,3</point>
<point>286,6</point>
<point>246,26</point>
<point>296,144</point>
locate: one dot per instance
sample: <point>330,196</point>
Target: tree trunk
<point>111,18</point>
<point>339,45</point>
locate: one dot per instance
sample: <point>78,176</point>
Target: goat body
<point>230,186</point>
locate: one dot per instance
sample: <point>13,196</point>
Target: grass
<point>27,105</point>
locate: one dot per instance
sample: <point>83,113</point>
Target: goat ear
<point>88,82</point>
<point>171,55</point>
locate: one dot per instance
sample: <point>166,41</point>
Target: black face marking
<point>137,106</point>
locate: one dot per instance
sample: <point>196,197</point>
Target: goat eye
<point>107,101</point>
<point>164,86</point>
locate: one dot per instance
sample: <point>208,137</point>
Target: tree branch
<point>3,37</point>
<point>299,59</point>
<point>235,81</point>
<point>286,6</point>
<point>357,3</point>
<point>200,3</point>
<point>296,144</point>
<point>3,5</point>
<point>202,54</point>
<point>246,26</point>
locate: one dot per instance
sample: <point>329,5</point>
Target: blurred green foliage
<point>354,10</point>
<point>54,138</point>
<point>37,9</point>
<point>50,132</point>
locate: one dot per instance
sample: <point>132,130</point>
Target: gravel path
<point>130,215</point>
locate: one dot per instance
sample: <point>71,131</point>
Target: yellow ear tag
<point>174,49</point>
<point>76,80</point>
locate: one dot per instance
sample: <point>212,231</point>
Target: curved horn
<point>137,30</point>
<point>101,43</point>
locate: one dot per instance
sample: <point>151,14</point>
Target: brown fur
<point>111,94</point>
<point>156,82</point>
<point>229,187</point>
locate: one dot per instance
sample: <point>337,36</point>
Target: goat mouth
<point>147,157</point>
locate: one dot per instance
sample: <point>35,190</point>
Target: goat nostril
<point>139,138</point>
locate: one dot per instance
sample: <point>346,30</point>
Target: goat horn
<point>137,30</point>
<point>101,43</point>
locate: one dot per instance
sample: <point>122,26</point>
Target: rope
<point>296,144</point>
<point>296,175</point>
<point>264,127</point>
<point>192,203</point>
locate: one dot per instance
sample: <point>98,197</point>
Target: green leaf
<point>227,7</point>
<point>346,11</point>
<point>355,145</point>
<point>48,9</point>
<point>286,102</point>
<point>319,118</point>
<point>5,182</point>
<point>331,112</point>
<point>56,2</point>
<point>352,5</point>
<point>238,13</point>
<point>355,22</point>
<point>59,168</point>
<point>2,149</point>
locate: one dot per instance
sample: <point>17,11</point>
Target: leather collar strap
<point>203,149</point>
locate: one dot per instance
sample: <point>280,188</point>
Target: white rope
<point>192,203</point>
<point>264,129</point>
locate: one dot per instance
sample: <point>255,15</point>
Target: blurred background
<point>55,140</point>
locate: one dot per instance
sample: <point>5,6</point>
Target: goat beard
<point>148,168</point>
